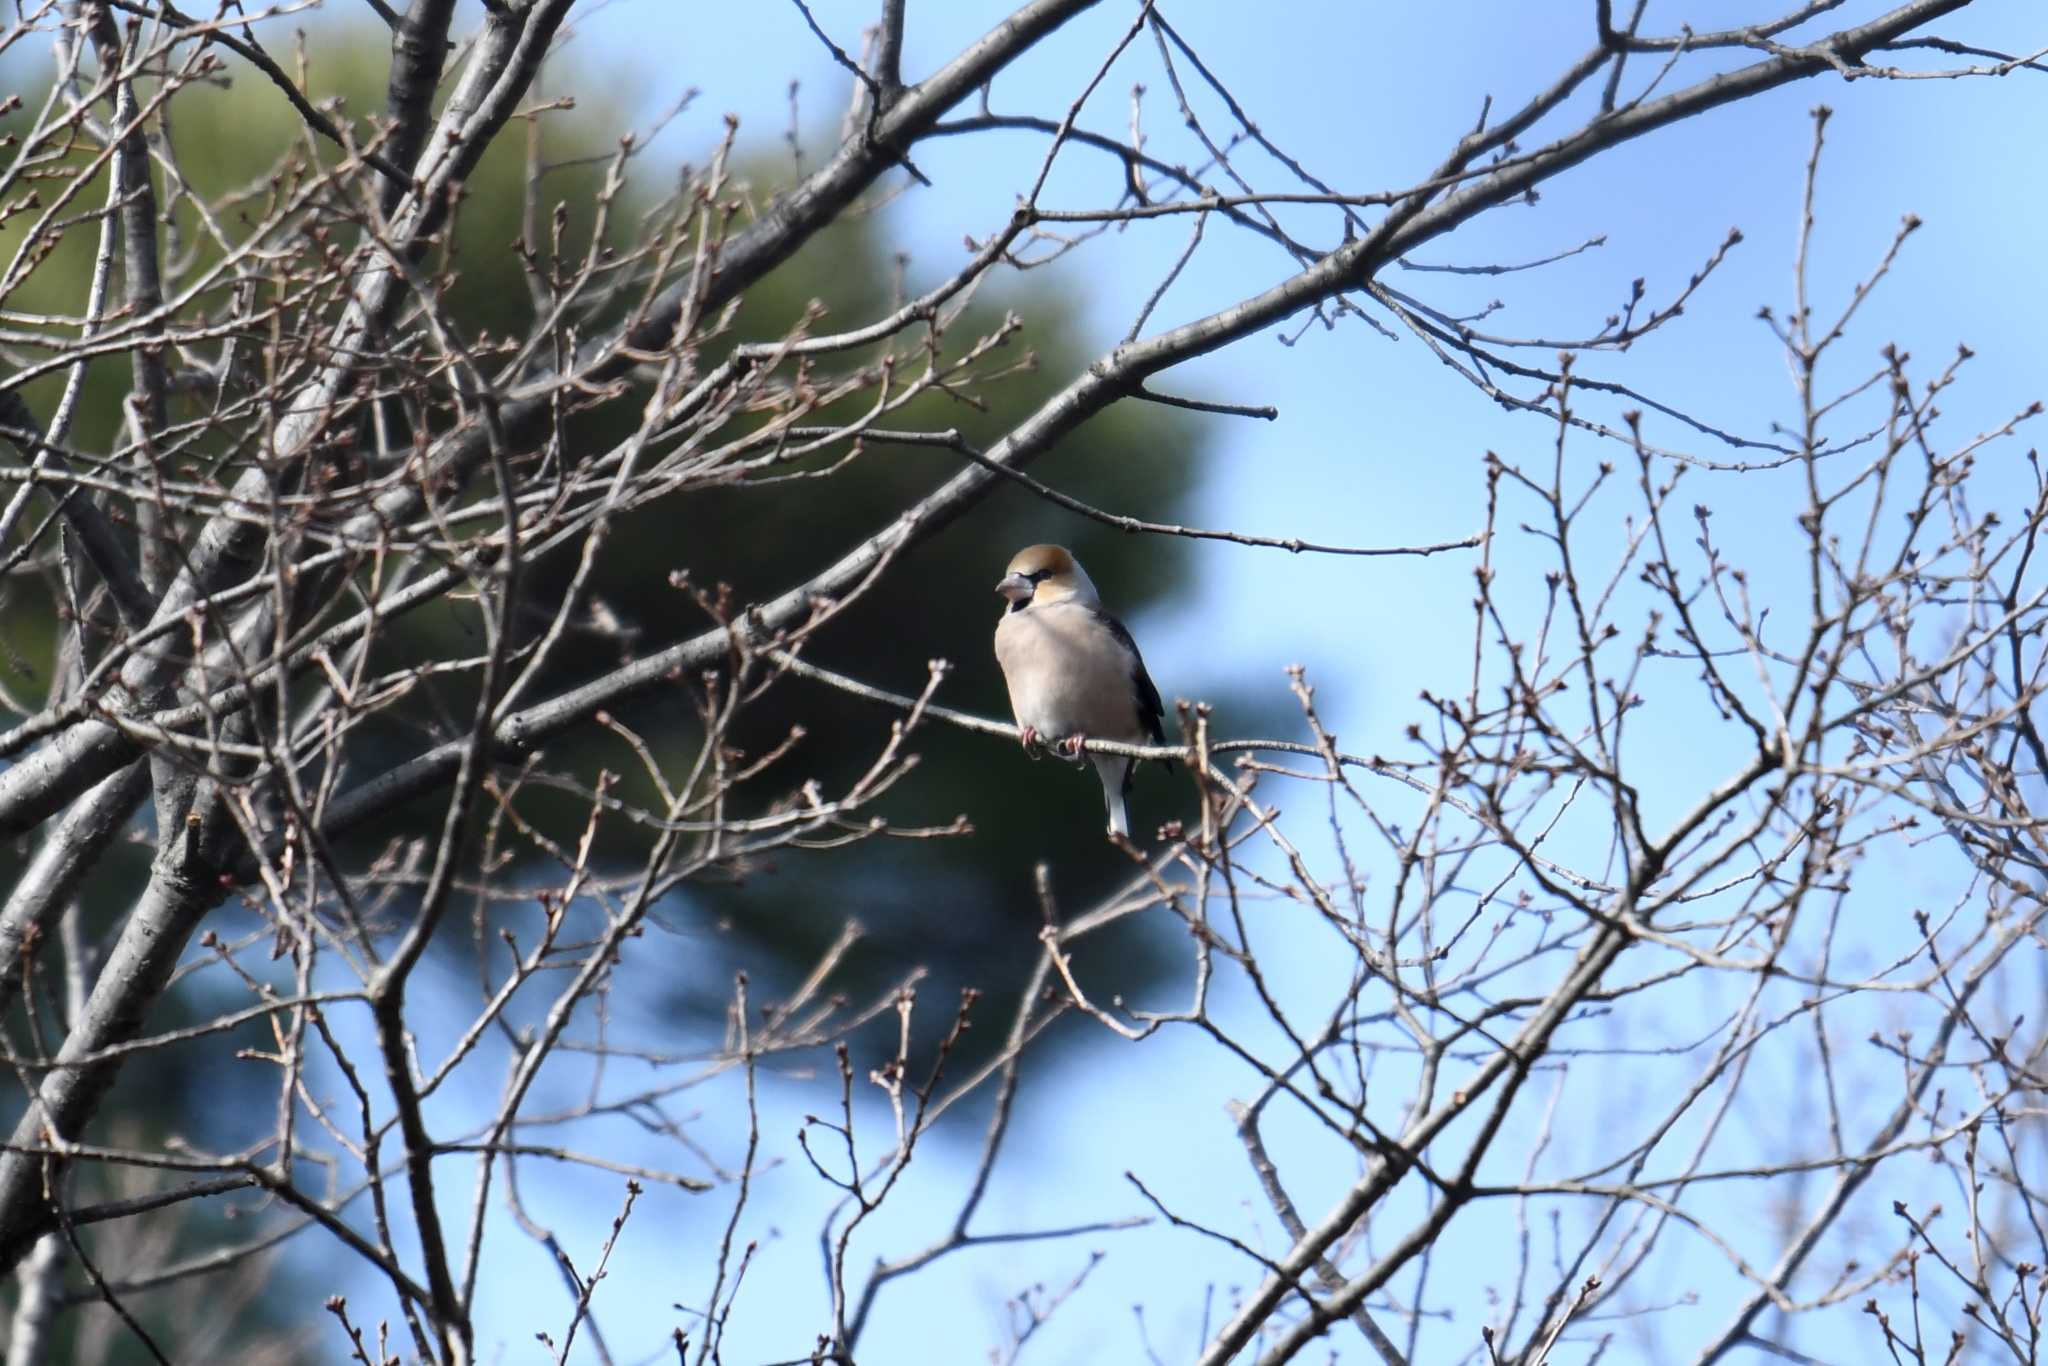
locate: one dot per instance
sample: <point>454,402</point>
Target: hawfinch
<point>1073,670</point>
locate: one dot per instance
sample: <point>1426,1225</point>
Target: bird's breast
<point>1067,674</point>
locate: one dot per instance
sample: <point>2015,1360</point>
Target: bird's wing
<point>1144,693</point>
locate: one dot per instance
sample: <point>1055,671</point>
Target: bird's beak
<point>1016,588</point>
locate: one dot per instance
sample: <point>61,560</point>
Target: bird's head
<point>1045,574</point>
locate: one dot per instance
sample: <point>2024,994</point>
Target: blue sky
<point>1367,96</point>
<point>1376,443</point>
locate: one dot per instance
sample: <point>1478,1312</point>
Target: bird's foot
<point>1070,746</point>
<point>1034,743</point>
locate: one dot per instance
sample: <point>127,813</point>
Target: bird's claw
<point>1037,746</point>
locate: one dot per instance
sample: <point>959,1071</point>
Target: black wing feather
<point>1146,694</point>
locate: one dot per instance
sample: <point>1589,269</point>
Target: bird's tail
<point>1115,772</point>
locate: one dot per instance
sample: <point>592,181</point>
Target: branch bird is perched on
<point>1073,670</point>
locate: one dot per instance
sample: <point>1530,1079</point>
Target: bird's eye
<point>1039,576</point>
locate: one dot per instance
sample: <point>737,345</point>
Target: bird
<point>1073,671</point>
